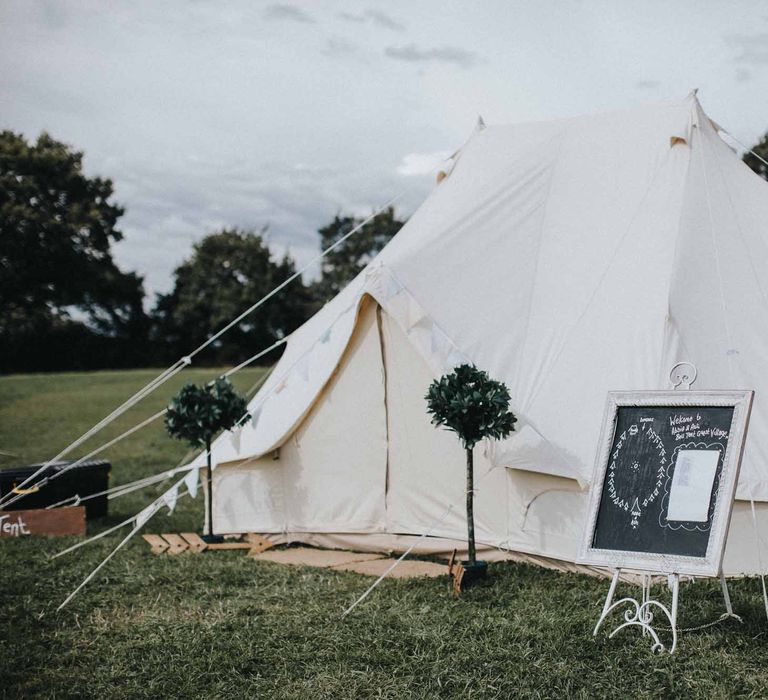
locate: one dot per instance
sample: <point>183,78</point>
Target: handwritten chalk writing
<point>14,529</point>
<point>645,486</point>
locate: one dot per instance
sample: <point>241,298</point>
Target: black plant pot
<point>473,573</point>
<point>213,539</point>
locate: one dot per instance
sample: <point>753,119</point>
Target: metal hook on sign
<point>682,375</point>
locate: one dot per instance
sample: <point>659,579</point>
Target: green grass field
<point>223,626</point>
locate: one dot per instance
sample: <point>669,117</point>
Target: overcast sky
<point>208,114</point>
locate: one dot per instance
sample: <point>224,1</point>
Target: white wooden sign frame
<point>711,563</point>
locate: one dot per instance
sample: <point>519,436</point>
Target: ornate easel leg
<point>608,600</point>
<point>646,597</point>
<point>727,598</point>
<point>673,617</point>
<point>641,612</point>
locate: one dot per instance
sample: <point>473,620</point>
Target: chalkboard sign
<point>664,480</point>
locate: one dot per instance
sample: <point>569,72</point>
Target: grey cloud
<point>375,17</point>
<point>54,14</point>
<point>743,75</point>
<point>647,84</point>
<point>444,54</point>
<point>172,205</point>
<point>752,48</point>
<point>290,13</point>
<point>339,47</point>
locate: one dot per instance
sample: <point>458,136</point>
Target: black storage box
<point>85,479</point>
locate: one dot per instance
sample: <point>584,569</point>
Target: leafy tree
<point>197,413</point>
<point>228,272</point>
<point>761,149</point>
<point>56,230</point>
<point>341,265</point>
<point>469,403</point>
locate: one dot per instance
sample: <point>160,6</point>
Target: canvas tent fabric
<point>568,259</point>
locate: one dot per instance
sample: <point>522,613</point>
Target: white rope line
<point>396,562</point>
<point>156,506</point>
<point>133,517</point>
<point>130,487</point>
<point>129,403</point>
<point>93,453</point>
<point>295,275</point>
<point>253,358</point>
<point>137,427</point>
<point>98,568</point>
<point>259,383</point>
<point>94,538</point>
<point>77,499</point>
<point>759,557</point>
<point>746,148</point>
<point>432,528</point>
<point>181,363</point>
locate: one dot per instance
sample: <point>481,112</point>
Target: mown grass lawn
<point>224,626</point>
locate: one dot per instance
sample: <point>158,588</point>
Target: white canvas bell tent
<point>566,258</point>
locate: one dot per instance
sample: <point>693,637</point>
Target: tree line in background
<point>65,304</point>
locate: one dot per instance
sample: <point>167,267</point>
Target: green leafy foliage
<point>227,272</point>
<point>471,404</point>
<point>342,264</point>
<point>197,413</point>
<point>752,160</point>
<point>226,625</point>
<point>57,227</point>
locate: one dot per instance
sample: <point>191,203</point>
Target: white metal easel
<point>640,613</point>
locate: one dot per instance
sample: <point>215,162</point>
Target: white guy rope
<point>94,538</point>
<point>253,358</point>
<point>187,359</point>
<point>432,528</point>
<point>98,568</point>
<point>92,453</point>
<point>137,427</point>
<point>131,486</point>
<point>156,506</point>
<point>396,562</point>
<point>746,148</point>
<point>133,517</point>
<point>759,557</point>
<point>129,403</point>
<point>296,274</point>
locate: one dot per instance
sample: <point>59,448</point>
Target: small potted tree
<point>474,406</point>
<point>196,414</point>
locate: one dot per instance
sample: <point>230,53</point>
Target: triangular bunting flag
<point>393,288</point>
<point>234,437</point>
<point>145,515</point>
<point>190,481</point>
<point>302,367</point>
<point>455,359</point>
<point>170,497</point>
<point>437,340</point>
<point>255,414</point>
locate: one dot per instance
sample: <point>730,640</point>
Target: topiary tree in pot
<point>196,414</point>
<point>474,406</point>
